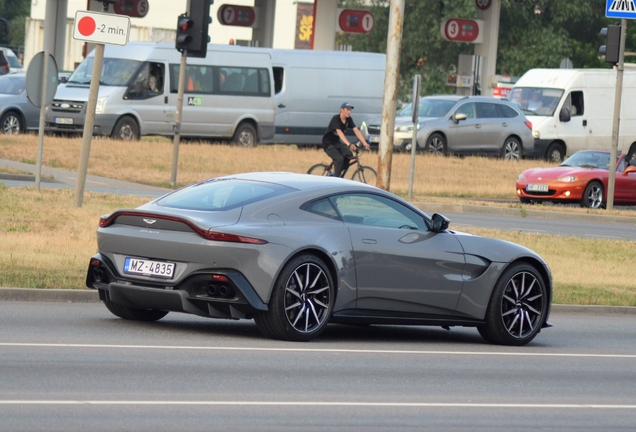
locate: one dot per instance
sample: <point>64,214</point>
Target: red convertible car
<point>583,178</point>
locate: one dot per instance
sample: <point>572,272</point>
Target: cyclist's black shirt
<point>331,137</point>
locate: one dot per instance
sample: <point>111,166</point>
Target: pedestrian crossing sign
<point>620,9</point>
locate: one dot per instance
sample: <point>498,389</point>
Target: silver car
<point>462,125</point>
<point>295,252</point>
<point>17,113</point>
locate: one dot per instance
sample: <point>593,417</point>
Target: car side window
<point>508,111</point>
<point>469,109</point>
<point>488,110</point>
<point>322,207</point>
<point>377,211</point>
<point>576,103</point>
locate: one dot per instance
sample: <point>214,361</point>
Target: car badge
<point>150,221</point>
<point>65,106</point>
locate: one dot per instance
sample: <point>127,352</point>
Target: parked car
<point>462,125</point>
<point>295,252</point>
<point>15,66</point>
<point>583,178</point>
<point>17,113</point>
<point>4,64</point>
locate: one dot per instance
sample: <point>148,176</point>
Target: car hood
<point>79,92</point>
<point>561,171</point>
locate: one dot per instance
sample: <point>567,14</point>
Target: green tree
<point>15,12</point>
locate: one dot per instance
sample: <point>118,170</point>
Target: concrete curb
<point>91,296</point>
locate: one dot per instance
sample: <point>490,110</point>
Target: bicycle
<point>363,173</point>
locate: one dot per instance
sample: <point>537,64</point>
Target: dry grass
<point>45,242</point>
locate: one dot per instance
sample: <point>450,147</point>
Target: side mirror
<point>62,80</point>
<point>564,115</point>
<point>629,169</point>
<point>439,222</point>
<point>458,117</point>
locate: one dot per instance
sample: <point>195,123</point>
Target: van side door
<point>574,132</point>
<point>146,95</point>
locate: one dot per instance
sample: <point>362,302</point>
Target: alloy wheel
<point>307,298</point>
<point>522,305</point>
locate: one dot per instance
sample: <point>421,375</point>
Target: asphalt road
<point>75,367</point>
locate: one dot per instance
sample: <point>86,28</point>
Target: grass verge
<point>45,242</point>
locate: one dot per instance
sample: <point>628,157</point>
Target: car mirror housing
<point>564,115</point>
<point>458,117</point>
<point>629,169</point>
<point>439,223</point>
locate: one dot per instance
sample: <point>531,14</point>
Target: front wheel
<point>126,129</point>
<point>593,195</point>
<point>511,149</point>
<point>320,169</point>
<point>301,302</point>
<point>555,153</point>
<point>517,308</point>
<point>133,314</point>
<point>365,174</point>
<point>436,145</point>
<point>245,135</point>
<point>11,124</point>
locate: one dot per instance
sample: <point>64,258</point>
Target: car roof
<point>301,181</point>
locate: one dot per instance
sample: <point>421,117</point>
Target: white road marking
<point>317,403</point>
<point>321,350</point>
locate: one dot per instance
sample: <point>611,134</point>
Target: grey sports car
<point>296,252</point>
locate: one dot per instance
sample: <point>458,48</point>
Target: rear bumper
<point>226,295</point>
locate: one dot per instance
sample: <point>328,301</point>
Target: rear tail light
<point>108,220</point>
<point>529,124</point>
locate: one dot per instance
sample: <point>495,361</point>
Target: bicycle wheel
<point>321,169</point>
<point>365,174</point>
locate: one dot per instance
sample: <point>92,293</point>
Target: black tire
<point>593,196</point>
<point>436,145</point>
<point>126,129</point>
<point>555,153</point>
<point>511,149</point>
<point>517,307</point>
<point>301,303</point>
<point>245,135</point>
<point>133,314</point>
<point>319,169</point>
<point>526,201</point>
<point>365,174</point>
<point>11,123</point>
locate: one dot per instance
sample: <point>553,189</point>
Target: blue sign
<point>620,9</point>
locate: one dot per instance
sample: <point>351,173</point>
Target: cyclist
<point>335,143</point>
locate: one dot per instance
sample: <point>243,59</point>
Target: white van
<point>573,109</point>
<point>228,94</point>
<point>311,85</point>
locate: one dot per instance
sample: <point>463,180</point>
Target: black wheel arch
<point>252,122</point>
<point>543,271</point>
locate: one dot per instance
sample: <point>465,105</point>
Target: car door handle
<point>584,122</point>
<point>165,99</point>
<point>281,106</point>
<point>504,124</point>
<point>477,126</point>
<point>369,241</point>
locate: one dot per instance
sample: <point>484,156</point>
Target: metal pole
<point>389,102</point>
<point>45,71</point>
<point>417,83</point>
<point>177,125</point>
<point>617,112</point>
<point>88,125</point>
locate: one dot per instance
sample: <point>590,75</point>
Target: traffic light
<point>185,31</point>
<point>192,29</point>
<point>611,50</point>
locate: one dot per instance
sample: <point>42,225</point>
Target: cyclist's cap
<point>346,105</point>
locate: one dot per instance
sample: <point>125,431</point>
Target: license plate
<point>160,269</point>
<point>537,187</point>
<point>62,120</point>
<point>374,139</point>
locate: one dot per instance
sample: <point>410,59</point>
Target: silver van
<point>228,94</point>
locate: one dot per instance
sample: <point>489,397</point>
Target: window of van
<point>199,79</point>
<point>115,72</point>
<point>279,76</point>
<point>148,82</point>
<point>244,81</point>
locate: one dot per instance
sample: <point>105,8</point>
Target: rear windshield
<point>222,194</point>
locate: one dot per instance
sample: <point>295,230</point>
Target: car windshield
<point>536,101</point>
<point>115,72</point>
<point>222,194</point>
<point>14,62</point>
<point>429,108</point>
<point>588,160</point>
<point>13,85</point>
